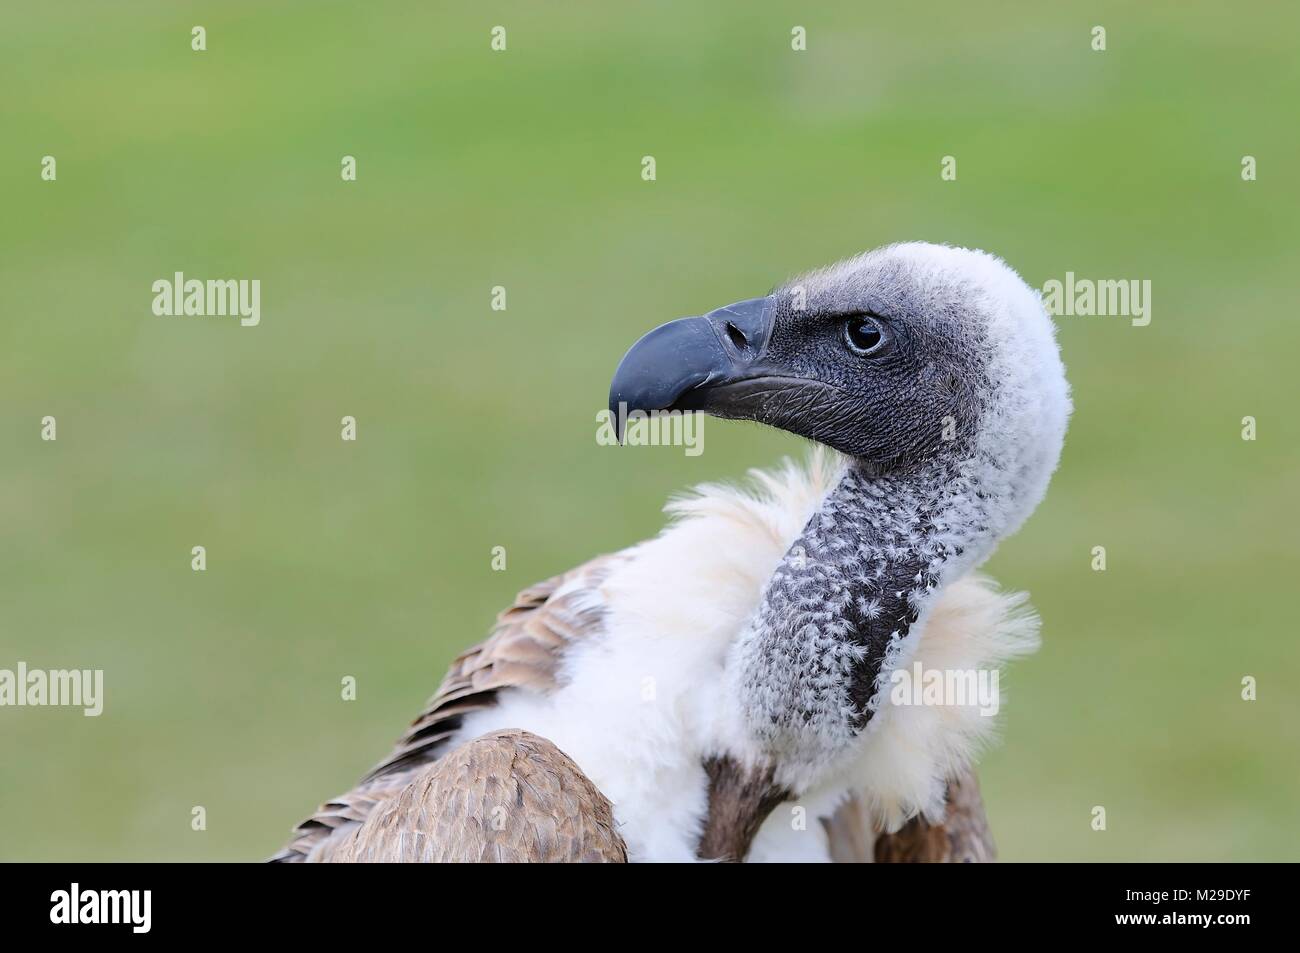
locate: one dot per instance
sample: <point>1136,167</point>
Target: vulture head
<point>935,371</point>
<point>908,358</point>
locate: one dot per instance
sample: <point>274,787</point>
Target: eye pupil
<point>863,335</point>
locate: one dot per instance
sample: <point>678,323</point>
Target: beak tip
<point>620,428</point>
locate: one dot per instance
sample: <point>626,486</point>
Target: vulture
<point>726,690</point>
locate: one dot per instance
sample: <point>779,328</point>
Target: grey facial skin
<point>763,360</point>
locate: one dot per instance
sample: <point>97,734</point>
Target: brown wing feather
<point>506,797</point>
<point>523,652</point>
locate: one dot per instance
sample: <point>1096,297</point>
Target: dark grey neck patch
<point>844,597</point>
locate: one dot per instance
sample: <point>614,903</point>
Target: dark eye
<point>863,334</point>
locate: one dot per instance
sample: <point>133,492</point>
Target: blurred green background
<point>476,428</point>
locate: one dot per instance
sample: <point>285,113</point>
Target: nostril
<point>737,337</point>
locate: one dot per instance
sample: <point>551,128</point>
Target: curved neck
<point>836,615</point>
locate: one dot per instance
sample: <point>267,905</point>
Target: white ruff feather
<point>643,703</point>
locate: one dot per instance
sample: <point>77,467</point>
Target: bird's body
<point>726,685</point>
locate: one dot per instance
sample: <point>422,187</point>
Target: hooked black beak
<point>689,364</point>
